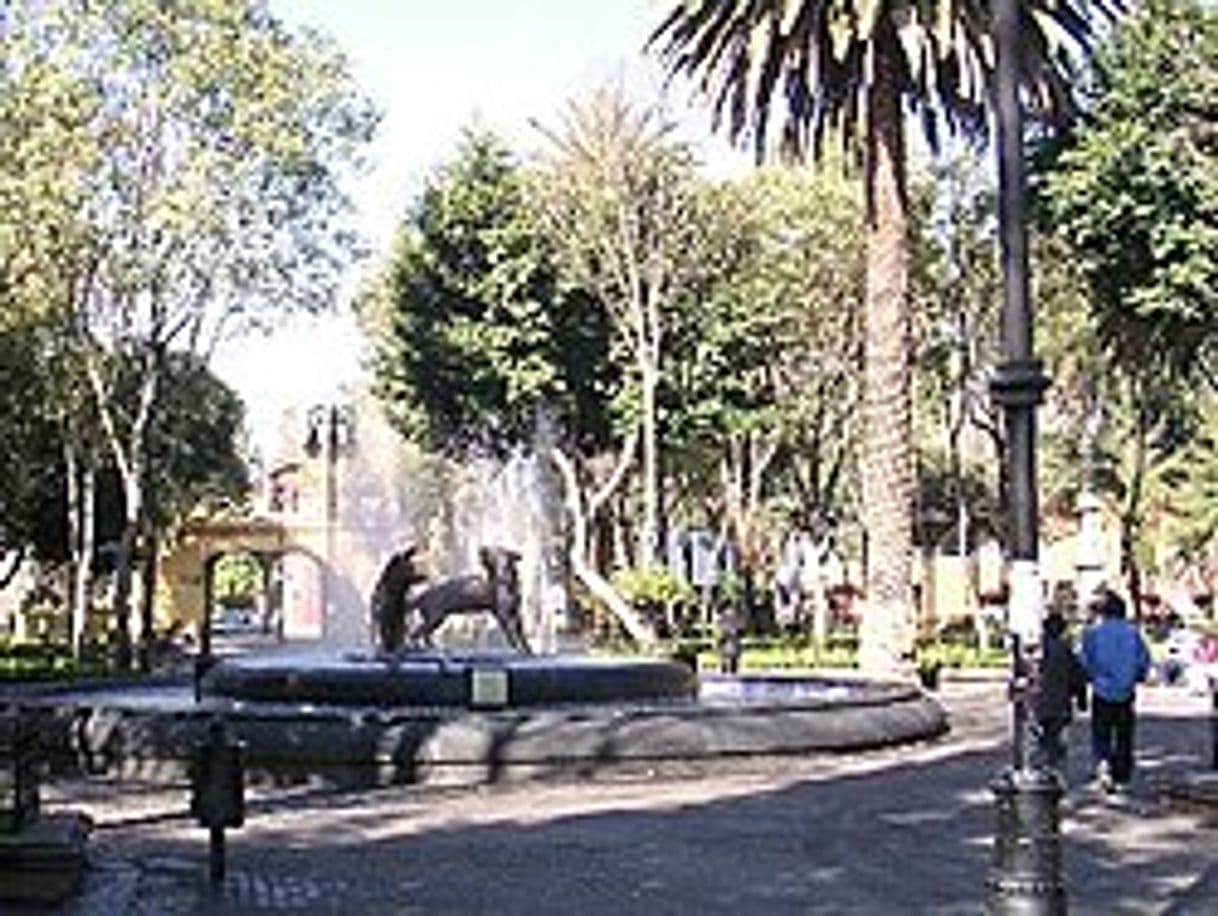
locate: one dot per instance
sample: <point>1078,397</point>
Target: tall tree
<point>474,332</point>
<point>1132,197</point>
<point>763,377</point>
<point>617,196</point>
<point>481,346</point>
<point>955,285</point>
<point>851,69</point>
<point>1135,190</point>
<point>192,172</point>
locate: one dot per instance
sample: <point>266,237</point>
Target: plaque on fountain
<point>488,688</point>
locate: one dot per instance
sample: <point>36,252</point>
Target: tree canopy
<point>476,333</point>
<point>1135,188</point>
<point>169,173</point>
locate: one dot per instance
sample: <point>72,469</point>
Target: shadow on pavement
<point>910,834</point>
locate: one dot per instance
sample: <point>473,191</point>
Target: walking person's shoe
<point>1103,777</point>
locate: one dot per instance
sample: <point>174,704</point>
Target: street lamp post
<point>1026,875</point>
<point>330,434</point>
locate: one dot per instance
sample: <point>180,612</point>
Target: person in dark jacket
<point>1062,685</point>
<point>1116,659</point>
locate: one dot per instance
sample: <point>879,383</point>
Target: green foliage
<point>941,484</point>
<point>770,346</point>
<point>196,441</point>
<point>236,580</point>
<point>476,335</point>
<point>169,173</point>
<point>1075,363</point>
<point>787,657</point>
<point>951,654</point>
<point>1191,503</point>
<point>1135,189</point>
<point>850,72</point>
<point>617,199</point>
<point>48,661</point>
<point>778,654</point>
<point>177,163</point>
<point>654,587</point>
<point>31,461</point>
<point>819,60</point>
<point>956,287</point>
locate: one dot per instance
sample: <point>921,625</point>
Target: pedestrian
<point>1061,686</point>
<point>1115,658</point>
<point>786,586</point>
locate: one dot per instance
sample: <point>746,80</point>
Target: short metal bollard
<point>218,790</point>
<point>18,771</point>
<point>203,663</point>
<point>1026,874</point>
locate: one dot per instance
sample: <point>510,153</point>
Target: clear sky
<point>433,68</point>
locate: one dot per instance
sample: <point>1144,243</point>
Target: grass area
<point>799,653</point>
<point>40,661</point>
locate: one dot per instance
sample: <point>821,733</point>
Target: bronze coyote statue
<point>389,596</point>
<point>496,588</point>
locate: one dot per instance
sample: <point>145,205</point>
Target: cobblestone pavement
<point>904,830</point>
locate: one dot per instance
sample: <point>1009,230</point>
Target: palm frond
<point>817,54</point>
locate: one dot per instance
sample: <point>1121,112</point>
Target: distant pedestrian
<point>786,586</point>
<point>730,643</point>
<point>1061,686</point>
<point>1115,657</point>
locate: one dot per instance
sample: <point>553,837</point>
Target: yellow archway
<point>184,574</point>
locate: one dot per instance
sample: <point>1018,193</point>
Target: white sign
<point>1024,612</point>
<point>488,687</point>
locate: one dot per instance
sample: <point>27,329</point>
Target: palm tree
<point>853,68</point>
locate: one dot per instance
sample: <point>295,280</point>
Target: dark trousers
<point>1112,736</point>
<point>1051,742</point>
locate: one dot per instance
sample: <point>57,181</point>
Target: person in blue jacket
<point>1115,657</point>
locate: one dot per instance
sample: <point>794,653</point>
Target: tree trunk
<point>887,477</point>
<point>632,622</point>
<point>82,491</point>
<point>122,577</point>
<point>1131,518</point>
<point>956,423</point>
<point>131,458</point>
<point>14,558</point>
<point>649,530</point>
<point>148,569</point>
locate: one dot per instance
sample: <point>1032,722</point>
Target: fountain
<point>481,707</point>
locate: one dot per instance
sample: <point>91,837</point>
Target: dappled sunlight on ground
<point>900,830</point>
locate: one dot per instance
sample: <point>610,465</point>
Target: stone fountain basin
<point>429,678</point>
<point>148,732</point>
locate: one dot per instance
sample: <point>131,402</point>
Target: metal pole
<point>1214,722</point>
<point>330,457</point>
<point>1026,877</point>
<point>204,660</point>
<point>215,856</point>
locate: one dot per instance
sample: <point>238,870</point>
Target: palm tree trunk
<point>887,474</point>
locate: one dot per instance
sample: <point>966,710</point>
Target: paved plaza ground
<point>904,830</point>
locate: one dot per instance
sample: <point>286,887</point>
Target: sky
<point>433,69</point>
